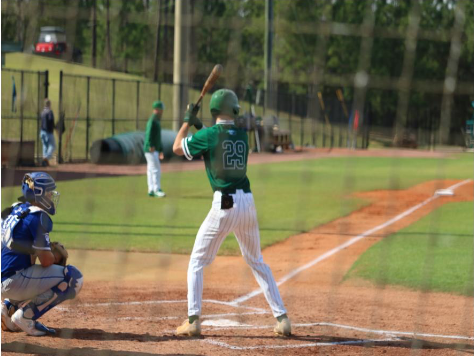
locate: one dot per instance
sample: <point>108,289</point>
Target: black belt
<point>233,191</point>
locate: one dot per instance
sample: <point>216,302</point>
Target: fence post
<point>21,108</point>
<point>291,114</point>
<point>61,115</point>
<point>138,103</point>
<point>113,107</point>
<point>324,134</point>
<point>87,117</point>
<point>38,108</point>
<point>46,83</point>
<point>301,132</point>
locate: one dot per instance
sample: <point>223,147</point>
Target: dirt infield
<point>132,302</point>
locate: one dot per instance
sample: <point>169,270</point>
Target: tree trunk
<point>94,33</point>
<point>20,25</point>
<point>107,37</point>
<point>157,48</point>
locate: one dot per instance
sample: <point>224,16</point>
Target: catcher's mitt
<point>60,253</point>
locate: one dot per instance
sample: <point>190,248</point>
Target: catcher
<point>29,290</point>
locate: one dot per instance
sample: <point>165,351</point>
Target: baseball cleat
<point>160,194</point>
<point>187,329</point>
<point>151,194</point>
<point>29,326</point>
<point>283,327</point>
<point>7,312</point>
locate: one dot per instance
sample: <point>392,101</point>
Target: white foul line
<point>346,244</point>
<point>349,327</point>
<point>392,337</point>
<point>313,344</point>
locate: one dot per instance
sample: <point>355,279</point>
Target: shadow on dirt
<point>24,348</point>
<point>400,342</point>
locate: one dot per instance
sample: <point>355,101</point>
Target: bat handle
<point>199,100</point>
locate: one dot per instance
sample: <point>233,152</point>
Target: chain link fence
<point>23,94</point>
<point>94,108</point>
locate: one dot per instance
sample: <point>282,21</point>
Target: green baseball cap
<point>158,105</point>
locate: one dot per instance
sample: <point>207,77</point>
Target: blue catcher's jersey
<point>30,230</point>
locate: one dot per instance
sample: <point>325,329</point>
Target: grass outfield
<point>436,253</point>
<point>291,197</point>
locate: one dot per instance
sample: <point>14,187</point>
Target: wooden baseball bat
<point>211,80</point>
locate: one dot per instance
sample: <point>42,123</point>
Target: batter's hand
<point>162,156</point>
<point>152,149</point>
<point>191,115</point>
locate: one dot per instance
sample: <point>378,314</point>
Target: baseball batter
<point>225,150</point>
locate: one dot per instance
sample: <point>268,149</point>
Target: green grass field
<point>116,213</point>
<point>436,253</point>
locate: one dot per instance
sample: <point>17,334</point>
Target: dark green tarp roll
<point>127,148</point>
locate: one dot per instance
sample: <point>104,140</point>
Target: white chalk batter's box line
<point>209,316</point>
<point>236,302</point>
<point>393,336</point>
<point>255,311</point>
<point>74,306</point>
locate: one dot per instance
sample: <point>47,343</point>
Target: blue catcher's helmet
<point>40,187</point>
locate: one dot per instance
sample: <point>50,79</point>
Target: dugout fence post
<point>291,118</point>
<point>46,83</point>
<point>113,107</point>
<point>87,117</point>
<point>138,104</point>
<point>324,134</point>
<point>22,99</point>
<point>40,105</point>
<point>38,120</point>
<point>331,129</point>
<point>301,131</point>
<point>60,149</point>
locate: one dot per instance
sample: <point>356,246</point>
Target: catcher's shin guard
<point>67,289</point>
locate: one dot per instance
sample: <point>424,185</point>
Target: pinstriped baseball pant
<point>242,220</point>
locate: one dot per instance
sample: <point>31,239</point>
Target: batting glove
<point>191,115</point>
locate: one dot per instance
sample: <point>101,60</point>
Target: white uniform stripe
<point>184,145</point>
<point>242,220</point>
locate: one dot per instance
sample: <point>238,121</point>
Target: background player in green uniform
<point>154,150</point>
<point>225,150</point>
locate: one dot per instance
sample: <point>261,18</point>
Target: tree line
<point>405,48</point>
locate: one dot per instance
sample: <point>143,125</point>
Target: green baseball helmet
<point>224,101</point>
<point>158,105</point>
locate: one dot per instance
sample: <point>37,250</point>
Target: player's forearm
<point>182,133</point>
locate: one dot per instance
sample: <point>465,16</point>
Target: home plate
<point>222,322</point>
<point>444,192</point>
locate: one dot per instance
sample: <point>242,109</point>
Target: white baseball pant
<point>153,171</point>
<point>242,220</point>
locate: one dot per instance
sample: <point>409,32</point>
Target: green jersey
<point>153,134</point>
<point>225,149</point>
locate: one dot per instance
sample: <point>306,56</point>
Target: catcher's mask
<point>39,188</point>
